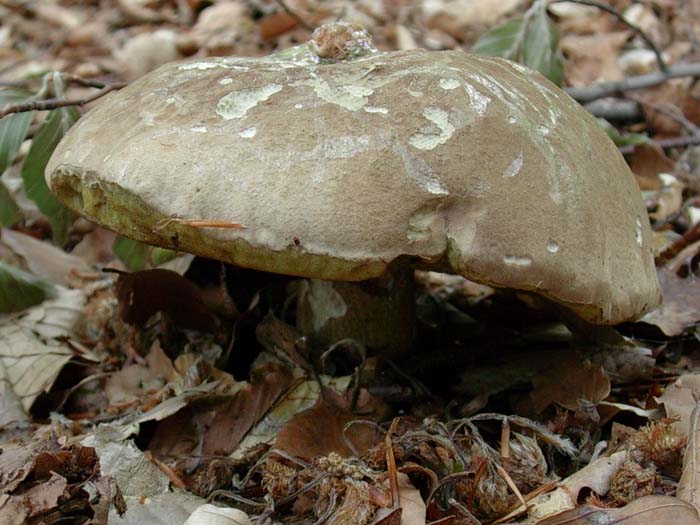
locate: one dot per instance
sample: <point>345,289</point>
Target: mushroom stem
<point>378,313</point>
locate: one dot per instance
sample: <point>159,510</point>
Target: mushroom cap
<point>465,164</point>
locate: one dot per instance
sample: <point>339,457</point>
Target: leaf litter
<point>504,416</point>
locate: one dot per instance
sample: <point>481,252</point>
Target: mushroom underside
<point>373,303</point>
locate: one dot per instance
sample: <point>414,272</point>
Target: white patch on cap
<point>449,83</point>
<point>430,138</point>
<point>237,103</point>
<point>200,65</point>
<point>515,166</point>
<point>478,100</point>
<point>372,109</point>
<point>248,133</point>
<point>516,260</point>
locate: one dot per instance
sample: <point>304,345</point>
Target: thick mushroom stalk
<point>378,313</point>
<point>344,163</point>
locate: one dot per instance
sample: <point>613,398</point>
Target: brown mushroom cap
<point>472,165</point>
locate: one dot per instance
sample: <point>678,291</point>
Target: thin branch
<point>616,109</point>
<point>673,113</point>
<point>620,17</point>
<point>85,82</point>
<point>53,103</point>
<point>593,92</point>
<point>689,237</point>
<point>677,142</point>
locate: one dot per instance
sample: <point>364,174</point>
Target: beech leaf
<point>47,137</point>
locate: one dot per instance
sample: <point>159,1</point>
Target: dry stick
<point>53,103</point>
<point>677,142</point>
<point>672,112</point>
<point>615,109</point>
<point>614,12</point>
<point>590,93</point>
<point>689,237</point>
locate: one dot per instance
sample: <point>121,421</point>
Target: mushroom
<point>355,167</point>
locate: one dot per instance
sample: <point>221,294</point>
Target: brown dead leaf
<point>659,510</point>
<point>235,418</point>
<point>669,198</point>
<point>413,510</point>
<point>318,431</point>
<point>593,57</point>
<point>662,101</point>
<point>140,382</point>
<point>567,382</point>
<point>273,25</point>
<point>355,507</point>
<point>579,19</point>
<point>680,287</point>
<point>679,403</point>
<point>15,466</point>
<point>467,18</point>
<point>595,476</point>
<point>45,259</point>
<point>689,484</point>
<point>44,496</point>
<point>646,162</point>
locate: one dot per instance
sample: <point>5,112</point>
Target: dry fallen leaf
<point>689,484</point>
<point>680,286</point>
<point>568,381</point>
<point>646,162</point>
<point>460,18</point>
<point>45,259</point>
<point>669,198</point>
<point>302,397</point>
<point>209,514</point>
<point>596,476</point>
<point>413,510</point>
<point>592,57</point>
<point>319,431</point>
<point>659,510</point>
<point>679,403</point>
<point>31,356</point>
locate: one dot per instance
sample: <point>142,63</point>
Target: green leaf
<point>47,137</point>
<point>160,256</point>
<point>133,254</point>
<point>500,41</point>
<point>627,139</point>
<point>138,256</point>
<point>13,127</point>
<point>531,40</point>
<point>9,211</point>
<point>20,290</point>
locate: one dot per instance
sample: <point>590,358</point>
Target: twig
<point>294,15</point>
<point>590,93</point>
<point>670,111</point>
<point>689,237</point>
<point>54,103</point>
<point>614,12</point>
<point>85,82</point>
<point>616,109</point>
<point>677,142</point>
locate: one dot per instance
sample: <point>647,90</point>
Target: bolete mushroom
<point>347,165</point>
